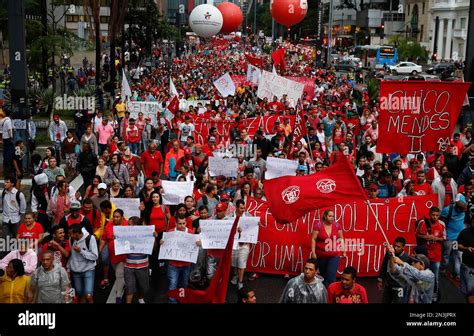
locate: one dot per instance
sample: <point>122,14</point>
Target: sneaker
<point>240,285</point>
<point>234,280</point>
<point>141,301</point>
<point>104,284</point>
<point>254,276</point>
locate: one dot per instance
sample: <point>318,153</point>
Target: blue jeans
<point>448,250</point>
<point>178,277</point>
<point>133,147</point>
<point>434,267</point>
<point>84,282</point>
<point>328,269</point>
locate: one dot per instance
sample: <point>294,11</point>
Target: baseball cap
<point>187,151</point>
<point>221,206</point>
<point>213,139</point>
<point>102,186</point>
<point>422,258</point>
<point>75,205</point>
<point>197,146</point>
<point>41,179</point>
<point>377,163</point>
<point>373,186</point>
<point>367,166</point>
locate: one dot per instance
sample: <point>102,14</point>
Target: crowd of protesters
<point>118,155</point>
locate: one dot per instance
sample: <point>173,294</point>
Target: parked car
<point>430,78</point>
<point>440,68</point>
<point>406,68</point>
<point>345,66</point>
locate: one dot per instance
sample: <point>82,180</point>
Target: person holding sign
<point>240,256</point>
<point>178,271</point>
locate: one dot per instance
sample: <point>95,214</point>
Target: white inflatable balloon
<point>206,20</point>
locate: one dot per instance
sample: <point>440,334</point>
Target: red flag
<point>278,57</point>
<point>217,291</point>
<point>418,116</point>
<point>291,197</point>
<point>173,106</point>
<point>255,61</point>
<point>300,128</point>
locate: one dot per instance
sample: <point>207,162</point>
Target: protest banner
<point>284,248</point>
<point>130,206</point>
<point>149,109</point>
<point>250,227</point>
<point>215,233</point>
<point>179,246</point>
<point>309,85</point>
<point>225,85</point>
<point>418,116</point>
<point>176,192</point>
<point>220,166</point>
<point>134,239</point>
<point>280,167</point>
<point>274,85</point>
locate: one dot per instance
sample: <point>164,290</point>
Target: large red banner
<point>284,248</point>
<point>418,116</point>
<point>267,124</point>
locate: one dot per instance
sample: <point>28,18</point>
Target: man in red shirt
<point>132,136</point>
<point>459,146</point>
<point>421,186</point>
<point>178,271</point>
<point>248,178</point>
<point>275,105</point>
<point>117,261</point>
<point>152,161</point>
<point>431,233</point>
<point>347,290</point>
<point>91,214</point>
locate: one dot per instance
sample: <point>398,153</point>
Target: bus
<point>375,56</point>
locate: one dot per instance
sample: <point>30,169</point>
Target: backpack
<point>450,214</point>
<point>88,241</point>
<point>17,196</point>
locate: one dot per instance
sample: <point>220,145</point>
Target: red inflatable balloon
<point>232,17</point>
<point>288,12</point>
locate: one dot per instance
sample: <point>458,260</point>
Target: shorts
<point>467,280</point>
<point>137,276</point>
<point>240,256</point>
<point>84,283</point>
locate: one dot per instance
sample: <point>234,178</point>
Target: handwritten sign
<point>273,85</point>
<point>134,239</point>
<point>225,85</point>
<point>280,167</point>
<point>179,246</point>
<point>176,192</point>
<point>215,233</point>
<point>220,166</point>
<point>130,206</point>
<point>249,226</point>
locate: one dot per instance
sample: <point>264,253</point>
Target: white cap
<point>41,179</point>
<point>102,186</point>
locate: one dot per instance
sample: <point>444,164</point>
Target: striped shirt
<point>136,260</point>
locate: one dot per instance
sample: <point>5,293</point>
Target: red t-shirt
<point>424,189</point>
<point>337,294</point>
<point>157,218</point>
<point>151,162</point>
<point>93,219</point>
<point>131,165</point>
<point>449,195</point>
<point>434,248</point>
<point>58,256</point>
<point>107,237</point>
<point>33,233</point>
<point>323,238</point>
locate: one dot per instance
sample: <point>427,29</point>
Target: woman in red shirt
<point>93,190</point>
<point>160,214</point>
<point>31,230</point>
<point>327,243</point>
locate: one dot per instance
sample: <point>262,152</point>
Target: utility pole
<point>469,70</point>
<point>330,32</point>
<point>255,17</point>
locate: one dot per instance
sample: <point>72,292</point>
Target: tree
<point>409,49</point>
<point>92,12</point>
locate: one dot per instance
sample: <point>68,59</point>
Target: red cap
<point>221,207</point>
<point>187,151</point>
<point>373,186</point>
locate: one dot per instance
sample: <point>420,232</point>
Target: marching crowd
<point>66,233</point>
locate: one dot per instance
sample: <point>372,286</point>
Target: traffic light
<point>382,31</point>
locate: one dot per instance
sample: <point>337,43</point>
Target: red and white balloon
<point>288,12</point>
<point>232,15</point>
<point>206,20</point>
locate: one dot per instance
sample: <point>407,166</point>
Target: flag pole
<point>378,223</point>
